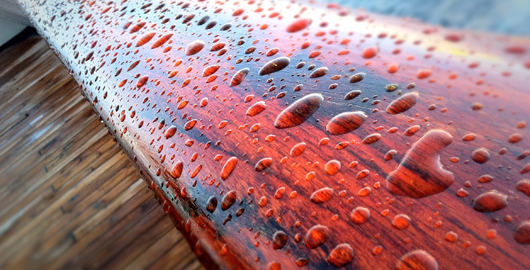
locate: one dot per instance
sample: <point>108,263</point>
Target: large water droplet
<point>228,168</point>
<point>420,173</point>
<point>416,260</point>
<point>194,47</point>
<point>240,75</point>
<point>298,112</point>
<point>341,255</point>
<point>316,236</point>
<point>490,201</point>
<point>403,103</point>
<point>274,65</point>
<point>346,122</point>
<point>322,195</point>
<point>228,200</point>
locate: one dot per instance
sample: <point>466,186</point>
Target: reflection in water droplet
<point>372,138</point>
<point>211,204</point>
<point>146,38</point>
<point>238,78</point>
<point>319,72</point>
<point>263,164</point>
<point>279,239</point>
<point>341,255</point>
<point>228,200</point>
<point>355,78</point>
<point>298,149</point>
<point>176,171</point>
<point>360,215</point>
<point>194,47</point>
<point>401,221</point>
<point>480,155</point>
<point>403,103</point>
<point>420,173</point>
<point>352,94</point>
<point>316,236</point>
<point>274,65</point>
<point>322,195</point>
<point>417,259</point>
<point>298,112</point>
<point>490,201</point>
<point>228,168</point>
<point>345,122</point>
<point>522,233</point>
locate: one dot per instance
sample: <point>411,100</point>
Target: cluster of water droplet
<point>303,122</point>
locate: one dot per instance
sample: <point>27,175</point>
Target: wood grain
<point>292,134</point>
<point>70,198</point>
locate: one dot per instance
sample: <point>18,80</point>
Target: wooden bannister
<point>286,134</point>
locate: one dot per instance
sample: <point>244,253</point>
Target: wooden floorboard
<point>70,198</point>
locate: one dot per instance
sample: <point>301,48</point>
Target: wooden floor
<point>69,197</point>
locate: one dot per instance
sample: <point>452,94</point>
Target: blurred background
<point>501,16</point>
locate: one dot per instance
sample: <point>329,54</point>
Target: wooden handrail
<point>291,134</point>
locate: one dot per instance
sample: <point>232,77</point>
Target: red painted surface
<point>284,135</point>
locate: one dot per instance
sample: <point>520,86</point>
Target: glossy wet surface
<point>281,165</point>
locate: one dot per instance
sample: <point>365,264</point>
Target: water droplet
<point>515,138</point>
<point>161,41</point>
<point>263,164</point>
<point>341,255</point>
<point>355,78</point>
<point>190,124</point>
<point>372,138</point>
<point>416,260</point>
<point>274,65</point>
<point>412,130</point>
<point>319,72</point>
<point>401,221</point>
<point>279,239</point>
<point>524,186</point>
<point>451,237</point>
<point>403,103</point>
<point>345,122</point>
<point>480,155</point>
<point>298,149</point>
<point>391,87</point>
<point>176,171</point>
<point>209,70</point>
<point>142,81</point>
<point>146,38</point>
<point>522,233</point>
<point>369,52</point>
<point>322,195</point>
<point>228,168</point>
<point>228,200</point>
<point>352,94</point>
<point>332,167</point>
<point>211,204</point>
<point>469,137</point>
<point>420,173</point>
<point>393,68</point>
<point>316,236</point>
<point>360,215</point>
<point>423,74</point>
<point>490,201</point>
<point>170,132</point>
<point>298,112</point>
<point>298,25</point>
<point>256,108</point>
<point>240,75</point>
<point>194,47</point>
